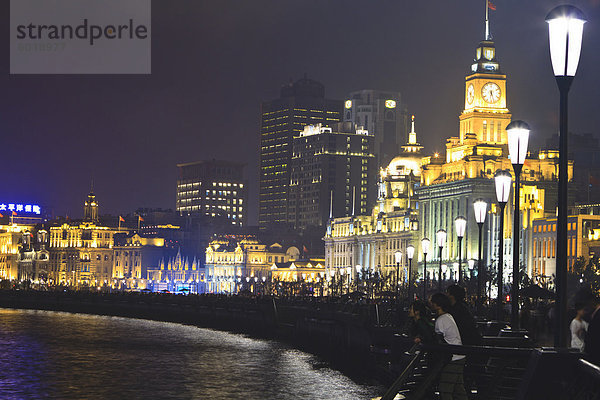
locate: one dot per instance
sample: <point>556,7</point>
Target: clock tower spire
<point>485,115</point>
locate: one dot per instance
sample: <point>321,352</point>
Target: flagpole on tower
<point>487,21</point>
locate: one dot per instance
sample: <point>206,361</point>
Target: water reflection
<point>66,356</point>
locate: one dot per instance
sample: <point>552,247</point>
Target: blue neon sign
<point>24,208</point>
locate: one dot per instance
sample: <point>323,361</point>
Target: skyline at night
<point>213,64</point>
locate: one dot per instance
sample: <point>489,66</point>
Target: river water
<point>66,356</point>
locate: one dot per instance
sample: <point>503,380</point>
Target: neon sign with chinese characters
<point>21,208</point>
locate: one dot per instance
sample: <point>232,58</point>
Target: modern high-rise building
<point>384,116</point>
<point>333,174</point>
<point>214,189</point>
<point>300,103</point>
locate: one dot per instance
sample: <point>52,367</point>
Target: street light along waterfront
<point>565,26</point>
<point>503,182</point>
<point>398,257</point>
<point>480,210</point>
<point>518,139</point>
<point>410,253</point>
<point>460,224</point>
<point>441,241</point>
<point>425,242</point>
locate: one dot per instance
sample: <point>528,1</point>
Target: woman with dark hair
<point>451,379</point>
<point>421,328</point>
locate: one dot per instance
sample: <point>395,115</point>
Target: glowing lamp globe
<point>398,257</point>
<point>460,224</point>
<point>410,251</point>
<point>518,140</point>
<point>503,182</point>
<point>480,209</point>
<point>425,243</point>
<point>440,237</point>
<point>565,27</point>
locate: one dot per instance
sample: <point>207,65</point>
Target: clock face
<point>348,104</point>
<point>390,103</point>
<point>490,92</point>
<point>470,94</point>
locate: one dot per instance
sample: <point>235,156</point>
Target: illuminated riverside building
<point>22,257</point>
<point>177,273</point>
<point>81,253</point>
<point>235,264</point>
<point>369,242</point>
<point>134,256</point>
<point>383,115</point>
<point>450,184</point>
<point>583,240</point>
<point>300,104</point>
<point>214,189</point>
<point>328,161</point>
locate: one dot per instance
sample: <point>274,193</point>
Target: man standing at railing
<point>592,339</point>
<point>451,384</point>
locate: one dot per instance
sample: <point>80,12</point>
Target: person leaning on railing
<point>451,385</point>
<point>420,329</point>
<point>592,338</point>
<point>459,310</point>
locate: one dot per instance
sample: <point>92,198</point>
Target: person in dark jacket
<point>464,319</point>
<point>421,328</point>
<point>592,338</point>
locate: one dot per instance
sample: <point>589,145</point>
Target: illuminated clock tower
<point>485,114</point>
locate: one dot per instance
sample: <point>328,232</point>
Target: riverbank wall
<point>354,338</point>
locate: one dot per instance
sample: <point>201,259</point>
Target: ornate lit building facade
<point>23,253</point>
<point>450,186</point>
<point>369,242</point>
<point>81,253</point>
<point>177,272</point>
<point>233,264</point>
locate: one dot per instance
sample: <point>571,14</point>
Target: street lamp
<point>440,236</point>
<point>398,257</point>
<point>349,272</point>
<point>480,210</point>
<point>503,182</point>
<point>565,26</point>
<point>460,224</point>
<point>471,264</point>
<point>425,247</point>
<point>410,253</point>
<point>518,138</point>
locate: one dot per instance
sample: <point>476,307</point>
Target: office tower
<point>214,189</point>
<point>333,174</point>
<point>301,103</point>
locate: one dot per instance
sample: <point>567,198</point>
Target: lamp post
<point>440,237</point>
<point>480,209</point>
<point>518,137</point>
<point>410,252</point>
<point>425,247</point>
<point>460,224</point>
<point>349,271</point>
<point>503,182</point>
<point>471,264</point>
<point>398,257</point>
<point>565,25</point>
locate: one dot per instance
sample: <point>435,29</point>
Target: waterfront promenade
<point>362,337</point>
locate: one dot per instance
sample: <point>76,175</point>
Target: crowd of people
<point>446,319</point>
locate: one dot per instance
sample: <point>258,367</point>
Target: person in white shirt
<point>578,328</point>
<point>451,384</point>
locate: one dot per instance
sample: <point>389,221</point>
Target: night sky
<point>213,62</point>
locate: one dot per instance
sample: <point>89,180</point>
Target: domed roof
<point>402,165</point>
